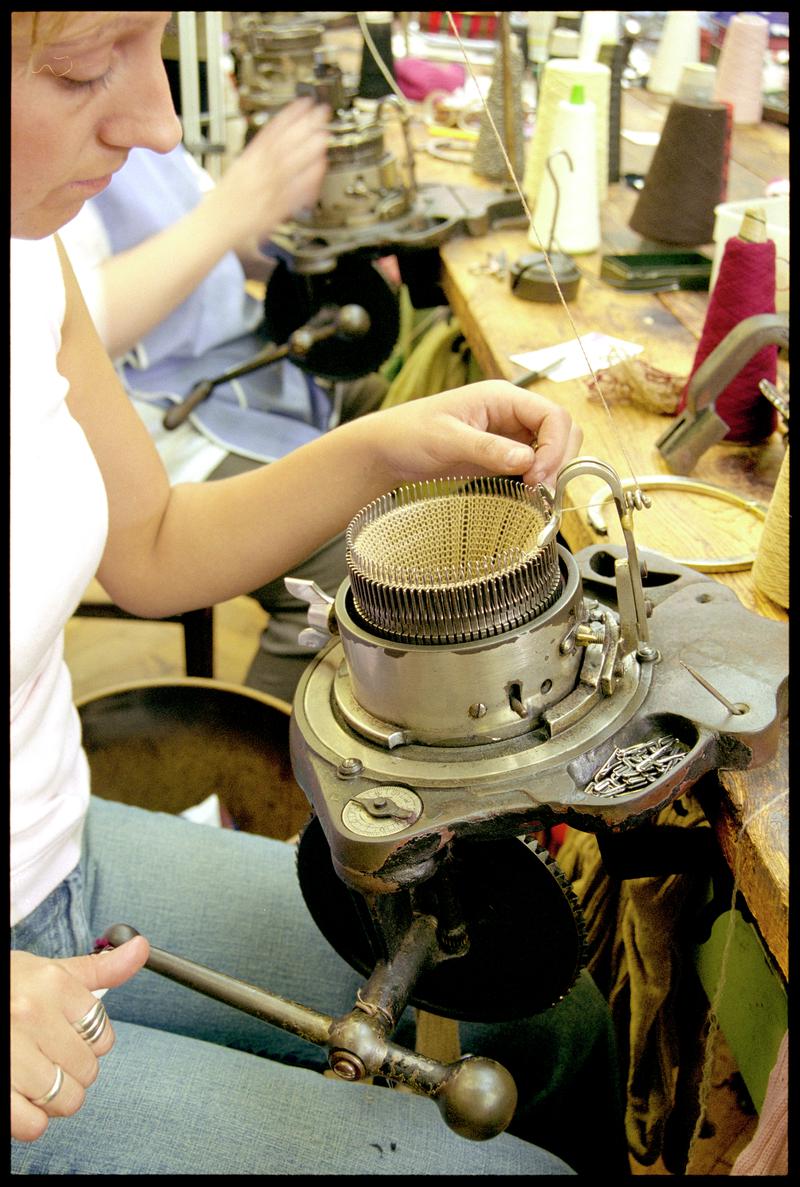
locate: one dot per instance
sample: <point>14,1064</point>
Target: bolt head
<point>349,767</point>
<point>347,1066</point>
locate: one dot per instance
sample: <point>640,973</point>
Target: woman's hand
<point>47,998</point>
<point>278,173</point>
<point>492,427</point>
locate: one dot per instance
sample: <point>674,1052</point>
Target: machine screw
<point>477,710</point>
<point>647,653</point>
<point>348,768</point>
<point>347,1066</point>
<point>586,635</point>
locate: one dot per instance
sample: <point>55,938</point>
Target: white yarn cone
<point>540,25</point>
<point>697,83</point>
<point>559,76</point>
<point>679,44</point>
<point>577,226</point>
<point>598,27</point>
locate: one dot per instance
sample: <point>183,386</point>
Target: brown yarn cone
<point>685,179</point>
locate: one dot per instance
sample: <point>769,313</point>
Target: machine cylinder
<point>461,693</point>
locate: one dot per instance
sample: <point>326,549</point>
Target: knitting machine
<point>273,52</point>
<point>476,683</point>
<point>370,206</point>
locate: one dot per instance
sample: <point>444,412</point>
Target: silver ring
<point>54,1089</point>
<point>93,1022</point>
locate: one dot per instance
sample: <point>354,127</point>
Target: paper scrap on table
<point>645,138</point>
<point>601,350</point>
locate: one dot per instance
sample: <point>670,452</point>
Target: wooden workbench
<point>497,325</point>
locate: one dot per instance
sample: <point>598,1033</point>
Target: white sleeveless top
<point>59,520</point>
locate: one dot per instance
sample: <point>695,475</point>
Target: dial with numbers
<point>381,811</point>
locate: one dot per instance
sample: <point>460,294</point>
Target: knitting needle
<point>734,709</point>
<point>530,376</point>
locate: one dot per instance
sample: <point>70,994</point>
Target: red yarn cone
<point>745,287</point>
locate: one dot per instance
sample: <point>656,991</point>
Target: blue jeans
<point>193,1086</point>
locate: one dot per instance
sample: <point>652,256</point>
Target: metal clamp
<point>634,629</point>
<point>321,620</point>
<point>699,426</point>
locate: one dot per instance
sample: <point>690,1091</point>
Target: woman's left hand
<point>491,427</point>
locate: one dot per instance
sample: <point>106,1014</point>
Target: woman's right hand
<point>279,173</point>
<point>47,998</point>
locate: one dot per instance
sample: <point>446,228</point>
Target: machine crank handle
<point>300,1020</point>
<point>178,413</point>
<point>350,320</point>
<point>476,1096</point>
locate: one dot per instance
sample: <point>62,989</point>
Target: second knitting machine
<point>370,206</point>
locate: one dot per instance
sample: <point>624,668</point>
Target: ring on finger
<point>54,1090</point>
<point>93,1023</point>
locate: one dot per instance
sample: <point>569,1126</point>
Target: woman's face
<point>91,88</point>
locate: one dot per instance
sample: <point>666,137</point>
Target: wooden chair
<point>198,628</point>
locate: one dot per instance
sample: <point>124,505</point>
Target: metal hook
<point>628,572</point>
<point>559,152</point>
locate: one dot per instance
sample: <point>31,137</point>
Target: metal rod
<point>723,700</point>
<point>190,82</point>
<point>288,1015</point>
<point>216,92</point>
<point>508,89</point>
<point>392,981</point>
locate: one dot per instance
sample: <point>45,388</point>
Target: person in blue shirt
<point>163,256</point>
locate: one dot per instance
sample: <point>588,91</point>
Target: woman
<point>178,1088</point>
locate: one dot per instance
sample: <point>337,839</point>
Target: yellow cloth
<point>441,360</point>
<point>636,956</point>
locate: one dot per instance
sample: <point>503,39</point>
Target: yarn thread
<point>726,153</point>
<point>635,381</point>
<point>599,26</point>
<point>697,83</point>
<point>540,26</point>
<point>373,82</point>
<point>771,566</point>
<point>741,65</point>
<point>564,43</point>
<point>487,160</point>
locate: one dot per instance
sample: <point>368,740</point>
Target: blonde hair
<point>32,32</point>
